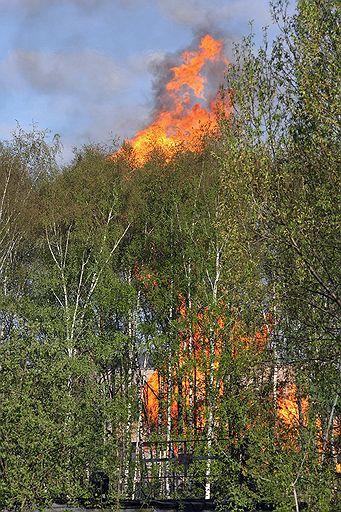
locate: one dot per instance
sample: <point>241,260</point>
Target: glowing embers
<point>188,104</point>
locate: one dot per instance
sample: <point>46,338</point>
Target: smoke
<point>50,73</point>
<point>87,74</point>
<point>162,71</point>
<point>86,94</point>
<point>192,13</point>
<point>204,15</point>
<point>34,7</point>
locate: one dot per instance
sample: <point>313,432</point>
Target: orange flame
<point>289,410</point>
<point>191,111</point>
<point>195,359</point>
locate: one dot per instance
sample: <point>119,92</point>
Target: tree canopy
<point>171,328</point>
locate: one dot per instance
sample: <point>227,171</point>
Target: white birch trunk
<point>210,420</point>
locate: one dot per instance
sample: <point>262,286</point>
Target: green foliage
<point>218,269</point>
<point>283,134</point>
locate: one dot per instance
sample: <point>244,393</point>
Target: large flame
<point>190,112</point>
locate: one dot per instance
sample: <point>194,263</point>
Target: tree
<point>283,137</point>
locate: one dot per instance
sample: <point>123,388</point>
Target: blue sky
<point>83,68</point>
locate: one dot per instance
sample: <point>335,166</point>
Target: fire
<point>194,353</point>
<point>290,410</point>
<point>191,112</point>
<point>189,72</point>
<point>189,376</point>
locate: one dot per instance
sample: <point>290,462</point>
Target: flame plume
<point>188,109</point>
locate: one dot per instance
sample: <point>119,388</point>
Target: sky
<point>84,68</point>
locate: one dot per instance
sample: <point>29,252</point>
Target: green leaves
<point>219,269</point>
<point>283,160</point>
